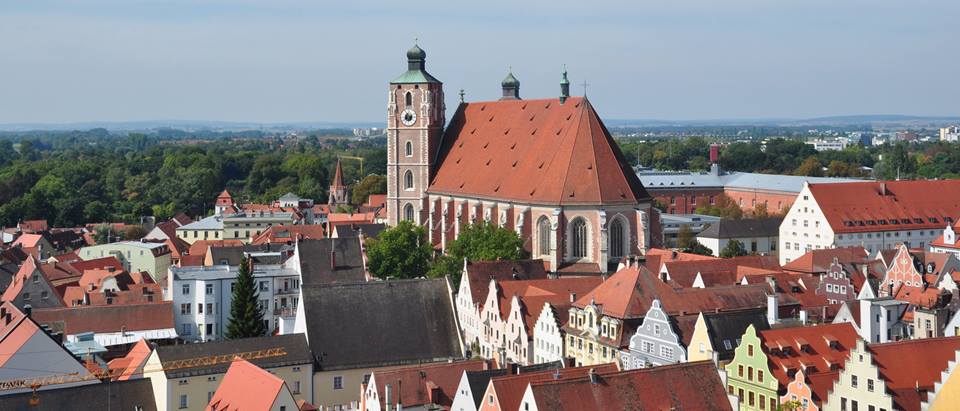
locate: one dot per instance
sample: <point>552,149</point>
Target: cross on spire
<point>461,95</point>
<point>584,84</point>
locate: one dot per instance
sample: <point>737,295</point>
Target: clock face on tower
<point>408,117</point>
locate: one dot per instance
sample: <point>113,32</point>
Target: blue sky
<point>286,60</point>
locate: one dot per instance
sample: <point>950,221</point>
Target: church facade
<point>546,168</point>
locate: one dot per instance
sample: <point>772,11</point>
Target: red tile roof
<point>687,386</point>
<point>425,384</point>
<point>377,200</point>
<point>199,247</point>
<point>33,225</point>
<point>533,294</point>
<point>28,240</point>
<point>819,261</point>
<point>716,272</point>
<point>871,206</point>
<point>479,274</point>
<point>656,256</point>
<point>15,332</point>
<point>107,318</point>
<point>289,233</point>
<point>131,365</point>
<point>564,152</point>
<point>246,387</point>
<point>816,349</point>
<point>509,389</point>
<point>905,365</point>
<point>628,293</point>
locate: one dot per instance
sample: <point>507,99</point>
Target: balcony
<point>285,312</point>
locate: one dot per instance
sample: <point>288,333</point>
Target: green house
<point>749,377</point>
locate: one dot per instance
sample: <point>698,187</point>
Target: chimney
<point>388,397</point>
<point>573,297</point>
<point>803,316</point>
<point>714,153</point>
<point>890,289</point>
<point>594,378</point>
<point>564,87</point>
<point>883,189</point>
<point>863,270</point>
<point>772,281</point>
<point>28,310</point>
<point>399,395</point>
<point>772,309</point>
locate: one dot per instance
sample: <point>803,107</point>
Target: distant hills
<point>872,120</point>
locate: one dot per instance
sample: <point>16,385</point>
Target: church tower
<point>338,191</point>
<point>415,119</point>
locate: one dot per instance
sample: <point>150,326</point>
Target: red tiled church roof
<point>563,151</point>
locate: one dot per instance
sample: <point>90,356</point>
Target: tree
<point>104,234</point>
<point>723,207</point>
<point>482,241</point>
<point>697,248</point>
<point>371,184</point>
<point>134,232</point>
<point>685,238</point>
<point>399,252</point>
<point>733,249</point>
<point>810,167</point>
<point>246,313</point>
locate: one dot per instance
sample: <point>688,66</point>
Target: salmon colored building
<point>547,168</point>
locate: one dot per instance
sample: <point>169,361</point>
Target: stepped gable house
<point>547,168</point>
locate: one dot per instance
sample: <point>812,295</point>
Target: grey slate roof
<point>751,181</point>
<point>478,381</point>
<point>118,395</point>
<point>316,257</point>
<point>295,345</point>
<point>381,323</point>
<point>213,222</point>
<point>730,326</point>
<point>370,230</point>
<point>747,227</point>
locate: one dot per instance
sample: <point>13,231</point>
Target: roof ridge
<point>566,174</point>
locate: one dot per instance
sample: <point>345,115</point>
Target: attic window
<point>882,222</point>
<point>533,191</point>
<point>523,106</point>
<point>514,145</point>
<point>533,132</point>
<point>590,166</point>
<point>471,132</point>
<point>559,130</point>
<point>486,144</point>
<point>541,165</point>
<point>905,220</point>
<point>547,106</point>
<point>505,132</point>
<point>483,107</point>
<point>918,221</point>
<point>488,161</point>
<point>515,163</point>
<point>533,117</point>
<point>871,222</point>
<point>497,188</point>
<point>461,185</point>
<point>458,160</point>
<point>894,221</point>
<point>569,116</point>
<point>572,194</point>
<point>932,219</point>
<point>577,105</point>
<point>948,219</point>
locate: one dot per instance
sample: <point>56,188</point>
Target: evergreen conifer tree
<point>246,314</point>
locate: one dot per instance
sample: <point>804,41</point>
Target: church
<point>546,168</point>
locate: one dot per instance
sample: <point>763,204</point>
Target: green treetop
<point>246,313</point>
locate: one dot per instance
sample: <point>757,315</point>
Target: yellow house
<point>183,386</point>
<point>717,334</point>
<point>946,392</point>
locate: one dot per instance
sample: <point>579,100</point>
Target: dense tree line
<point>91,177</point>
<point>786,156</point>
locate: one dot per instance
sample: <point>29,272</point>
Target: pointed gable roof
<point>337,176</point>
<point>248,387</point>
<point>909,364</point>
<point>564,152</point>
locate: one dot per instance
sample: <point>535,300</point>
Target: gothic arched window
<point>409,99</point>
<point>408,180</point>
<point>578,237</point>
<point>543,236</point>
<point>616,238</point>
<point>409,149</point>
<point>408,212</point>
